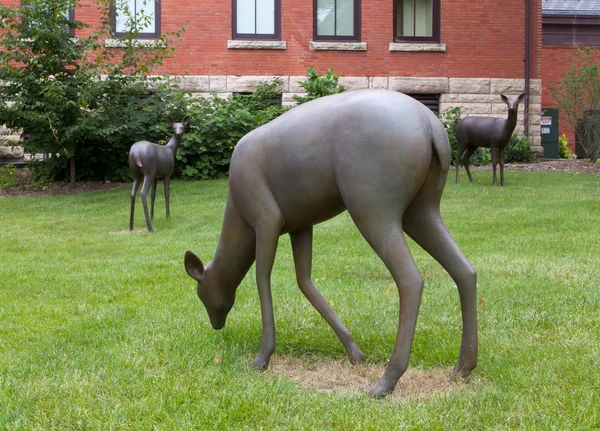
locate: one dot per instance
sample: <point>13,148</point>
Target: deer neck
<point>235,252</point>
<point>510,124</point>
<point>174,143</point>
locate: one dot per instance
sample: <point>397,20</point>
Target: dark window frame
<point>357,26</point>
<point>255,36</point>
<point>570,30</point>
<point>435,26</point>
<point>157,23</point>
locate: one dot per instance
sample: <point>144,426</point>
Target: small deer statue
<point>487,132</point>
<point>380,155</point>
<point>148,162</point>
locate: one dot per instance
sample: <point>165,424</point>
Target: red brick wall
<point>484,39</point>
<point>555,62</point>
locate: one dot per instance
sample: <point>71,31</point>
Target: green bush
<point>450,119</point>
<point>318,86</point>
<point>8,177</point>
<point>563,149</point>
<point>519,150</point>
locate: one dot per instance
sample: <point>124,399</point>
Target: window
<point>35,15</point>
<point>257,19</point>
<point>417,20</point>
<point>139,16</point>
<point>432,101</point>
<point>337,20</point>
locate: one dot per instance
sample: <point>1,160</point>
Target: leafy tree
<point>577,96</point>
<point>318,86</point>
<point>63,91</point>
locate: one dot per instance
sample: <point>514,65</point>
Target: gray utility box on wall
<point>549,132</point>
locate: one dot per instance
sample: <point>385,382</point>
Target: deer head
<point>512,102</point>
<point>178,128</point>
<point>218,301</point>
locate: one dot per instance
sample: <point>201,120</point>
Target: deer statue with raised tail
<point>148,162</point>
<point>487,132</point>
<point>378,154</point>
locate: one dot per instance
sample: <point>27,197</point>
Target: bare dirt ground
<point>344,378</point>
<point>63,188</point>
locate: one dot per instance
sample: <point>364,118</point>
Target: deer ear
<point>504,98</point>
<point>521,97</point>
<point>194,266</point>
<point>170,120</point>
<point>186,120</point>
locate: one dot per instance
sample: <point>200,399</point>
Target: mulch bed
<point>62,188</point>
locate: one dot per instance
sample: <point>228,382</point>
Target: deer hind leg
<point>469,152</point>
<point>134,189</point>
<point>145,187</point>
<point>153,198</point>
<point>423,222</point>
<point>502,166</point>
<point>459,152</point>
<point>167,194</point>
<point>302,250</point>
<point>494,162</point>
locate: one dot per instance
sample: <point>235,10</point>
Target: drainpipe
<point>527,64</point>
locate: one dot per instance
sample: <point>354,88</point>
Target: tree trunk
<point>73,173</point>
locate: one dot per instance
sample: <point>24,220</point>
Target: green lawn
<point>101,329</point>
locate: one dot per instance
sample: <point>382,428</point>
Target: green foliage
<point>519,150</point>
<point>563,148</point>
<point>216,126</point>
<point>8,177</point>
<point>318,86</point>
<point>450,119</point>
<point>68,94</point>
<point>577,96</point>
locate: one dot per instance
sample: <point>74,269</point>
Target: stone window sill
<point>118,43</point>
<point>256,44</point>
<point>338,46</point>
<point>417,47</point>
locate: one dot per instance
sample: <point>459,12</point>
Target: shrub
<point>8,177</point>
<point>519,150</point>
<point>450,119</point>
<point>563,148</point>
<point>318,86</point>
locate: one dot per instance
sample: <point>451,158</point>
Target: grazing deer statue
<point>378,154</point>
<point>148,162</point>
<point>487,132</point>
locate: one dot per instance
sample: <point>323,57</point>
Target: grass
<point>100,328</point>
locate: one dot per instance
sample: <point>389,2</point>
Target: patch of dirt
<point>345,378</point>
<point>55,188</point>
<point>567,166</point>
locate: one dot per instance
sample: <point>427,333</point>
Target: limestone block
<point>354,82</point>
<point>240,84</point>
<point>419,85</point>
<point>478,98</point>
<point>294,86</point>
<point>417,47</point>
<point>198,84</point>
<point>507,86</point>
<point>288,98</point>
<point>488,115</point>
<point>448,98</point>
<point>470,85</point>
<point>256,44</point>
<point>474,108</point>
<point>379,83</point>
<point>217,83</point>
<point>535,86</point>
<point>224,95</point>
<point>338,46</point>
<point>7,152</point>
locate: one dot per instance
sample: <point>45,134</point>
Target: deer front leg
<point>145,188</point>
<point>502,166</point>
<point>266,247</point>
<point>167,194</point>
<point>494,162</point>
<point>302,250</point>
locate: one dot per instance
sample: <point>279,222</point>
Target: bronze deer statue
<point>487,132</point>
<point>380,155</point>
<point>148,162</point>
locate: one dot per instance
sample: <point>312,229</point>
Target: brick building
<point>447,52</point>
<point>566,24</point>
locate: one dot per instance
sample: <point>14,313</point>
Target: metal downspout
<point>527,65</point>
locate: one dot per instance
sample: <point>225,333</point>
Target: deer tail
<point>441,144</point>
<point>138,162</point>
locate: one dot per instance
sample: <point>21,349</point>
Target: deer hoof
<point>355,355</point>
<point>461,374</point>
<point>259,364</point>
<point>381,389</point>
